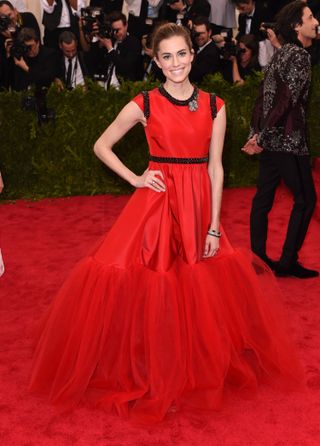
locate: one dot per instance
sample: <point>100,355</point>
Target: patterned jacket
<point>279,115</point>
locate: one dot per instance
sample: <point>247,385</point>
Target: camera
<point>5,23</point>
<point>230,48</point>
<point>264,27</point>
<point>19,49</point>
<point>95,16</point>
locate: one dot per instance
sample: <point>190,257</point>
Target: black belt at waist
<point>160,159</point>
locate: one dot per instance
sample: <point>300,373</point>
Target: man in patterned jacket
<point>279,133</point>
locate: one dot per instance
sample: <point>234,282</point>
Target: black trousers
<point>295,171</point>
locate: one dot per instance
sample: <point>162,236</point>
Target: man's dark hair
<point>27,34</point>
<point>67,37</point>
<point>200,20</point>
<point>117,15</point>
<point>6,3</point>
<point>288,18</point>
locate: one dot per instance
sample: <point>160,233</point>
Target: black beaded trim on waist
<point>160,159</point>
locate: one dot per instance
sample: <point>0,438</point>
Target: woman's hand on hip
<point>153,179</point>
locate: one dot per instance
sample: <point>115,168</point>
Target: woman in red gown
<point>165,312</point>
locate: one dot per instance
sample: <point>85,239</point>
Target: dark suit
<point>42,70</point>
<point>52,21</point>
<point>207,61</point>
<point>260,15</point>
<point>107,5</point>
<point>126,58</point>
<point>81,64</point>
<point>198,8</point>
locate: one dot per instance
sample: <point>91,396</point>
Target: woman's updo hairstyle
<point>167,31</point>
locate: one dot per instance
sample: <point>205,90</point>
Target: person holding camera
<point>59,16</point>
<point>245,62</point>
<point>185,11</point>
<point>34,64</point>
<point>123,52</point>
<point>11,23</point>
<point>278,134</point>
<point>207,60</point>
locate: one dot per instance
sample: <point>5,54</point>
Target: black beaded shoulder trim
<point>146,104</point>
<point>213,105</point>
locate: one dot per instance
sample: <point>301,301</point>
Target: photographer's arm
<point>84,43</point>
<point>129,116</point>
<point>236,78</point>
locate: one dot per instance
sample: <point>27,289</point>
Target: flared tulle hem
<point>139,341</point>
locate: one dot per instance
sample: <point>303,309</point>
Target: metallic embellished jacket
<point>279,115</point>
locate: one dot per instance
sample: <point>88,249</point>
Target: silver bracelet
<point>214,233</point>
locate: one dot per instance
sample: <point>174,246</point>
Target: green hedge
<point>56,159</point>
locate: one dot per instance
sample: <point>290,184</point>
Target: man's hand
<point>7,45</point>
<point>21,63</point>
<point>251,147</point>
<point>107,43</point>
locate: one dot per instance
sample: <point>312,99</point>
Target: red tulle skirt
<point>144,323</point>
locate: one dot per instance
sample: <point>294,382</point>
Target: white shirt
<point>249,21</point>
<point>76,72</point>
<point>134,6</point>
<point>65,19</point>
<point>223,13</point>
<point>266,51</point>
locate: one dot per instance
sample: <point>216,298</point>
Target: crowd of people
<point>101,42</point>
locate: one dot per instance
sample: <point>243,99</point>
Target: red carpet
<point>41,241</point>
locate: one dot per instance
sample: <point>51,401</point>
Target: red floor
<point>42,240</point>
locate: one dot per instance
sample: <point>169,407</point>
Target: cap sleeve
<point>142,101</point>
<point>215,104</point>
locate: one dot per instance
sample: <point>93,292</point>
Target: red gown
<point>146,322</point>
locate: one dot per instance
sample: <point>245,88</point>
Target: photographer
<point>207,59</point>
<point>11,23</point>
<point>33,64</point>
<point>184,11</point>
<point>121,52</point>
<point>241,59</point>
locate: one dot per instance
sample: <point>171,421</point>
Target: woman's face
<point>174,58</point>
<point>246,53</point>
